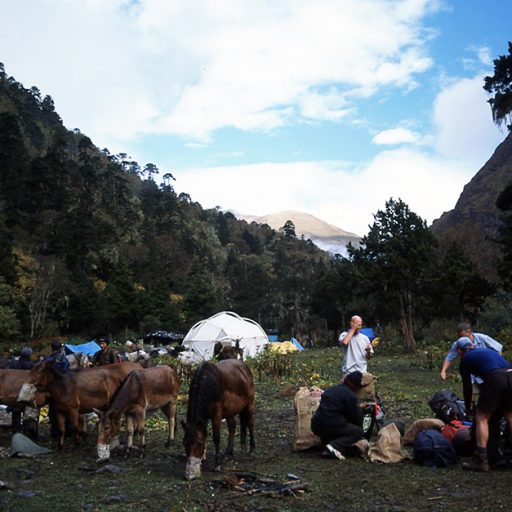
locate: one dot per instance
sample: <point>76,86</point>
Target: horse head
<point>194,442</point>
<point>108,427</point>
<point>37,379</point>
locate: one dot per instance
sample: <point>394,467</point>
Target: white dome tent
<point>226,327</point>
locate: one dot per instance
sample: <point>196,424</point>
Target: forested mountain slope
<point>475,220</point>
<point>90,243</point>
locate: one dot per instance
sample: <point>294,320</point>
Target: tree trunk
<point>406,321</point>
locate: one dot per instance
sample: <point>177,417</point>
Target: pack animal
<point>138,356</point>
<point>222,352</point>
<point>75,393</point>
<point>142,391</point>
<point>218,391</point>
<point>10,385</point>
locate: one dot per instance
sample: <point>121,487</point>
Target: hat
<point>464,343</point>
<point>26,352</point>
<point>354,379</point>
<point>104,339</point>
<point>56,344</point>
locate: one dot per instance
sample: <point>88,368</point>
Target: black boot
<point>479,462</point>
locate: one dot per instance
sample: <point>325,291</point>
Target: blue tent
<point>369,332</point>
<point>89,348</point>
<point>297,344</point>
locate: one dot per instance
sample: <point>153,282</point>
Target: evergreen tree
<point>395,261</point>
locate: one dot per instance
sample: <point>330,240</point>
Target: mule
<point>218,391</point>
<point>137,356</point>
<point>142,391</point>
<point>222,352</point>
<point>10,385</point>
<point>75,393</point>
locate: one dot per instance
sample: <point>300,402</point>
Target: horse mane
<point>204,389</point>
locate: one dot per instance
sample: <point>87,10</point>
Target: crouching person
<point>338,419</point>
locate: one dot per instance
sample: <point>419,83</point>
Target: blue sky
<point>329,107</point>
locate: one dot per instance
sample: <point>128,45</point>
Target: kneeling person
<point>338,419</point>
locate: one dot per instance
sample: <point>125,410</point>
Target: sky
<point>329,107</point>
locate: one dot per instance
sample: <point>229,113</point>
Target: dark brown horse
<point>142,391</point>
<point>75,393</point>
<point>218,391</point>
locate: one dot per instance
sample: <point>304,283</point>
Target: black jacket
<point>339,405</point>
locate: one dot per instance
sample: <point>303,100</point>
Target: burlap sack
<point>388,447</point>
<point>367,392</point>
<point>306,402</point>
<point>418,426</point>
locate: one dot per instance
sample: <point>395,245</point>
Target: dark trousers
<point>339,436</point>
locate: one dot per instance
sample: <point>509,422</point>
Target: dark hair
<point>354,379</point>
<point>463,326</point>
<point>104,339</point>
<point>56,344</point>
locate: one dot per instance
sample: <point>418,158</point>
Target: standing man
<point>106,355</point>
<point>495,393</point>
<point>357,348</point>
<point>477,339</point>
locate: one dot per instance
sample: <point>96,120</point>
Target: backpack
<point>432,449</point>
<point>450,430</point>
<point>447,406</point>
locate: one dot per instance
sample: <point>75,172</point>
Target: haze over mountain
<point>474,221</point>
<point>322,234</point>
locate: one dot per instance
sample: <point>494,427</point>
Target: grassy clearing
<point>68,481</point>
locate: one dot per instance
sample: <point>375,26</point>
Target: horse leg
<point>60,420</point>
<point>247,421</point>
<point>141,420</point>
<point>216,424</point>
<point>170,414</point>
<point>129,435</point>
<point>231,436</point>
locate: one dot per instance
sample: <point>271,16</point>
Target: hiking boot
<point>479,463</point>
<point>335,452</point>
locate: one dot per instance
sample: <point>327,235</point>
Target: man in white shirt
<point>357,348</point>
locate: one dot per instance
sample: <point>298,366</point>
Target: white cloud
<point>332,191</point>
<point>395,136</point>
<point>190,68</point>
<point>463,121</point>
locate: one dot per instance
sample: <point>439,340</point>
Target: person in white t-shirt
<point>357,348</point>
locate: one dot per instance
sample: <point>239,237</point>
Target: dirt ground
<point>72,481</point>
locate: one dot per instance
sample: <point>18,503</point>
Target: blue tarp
<point>89,348</point>
<point>297,344</point>
<point>369,332</point>
<point>273,338</point>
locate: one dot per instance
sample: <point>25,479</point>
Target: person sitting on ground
<point>338,419</point>
<point>495,393</point>
<point>58,356</point>
<point>24,362</point>
<point>106,355</point>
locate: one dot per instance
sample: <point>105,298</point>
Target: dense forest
<point>90,244</point>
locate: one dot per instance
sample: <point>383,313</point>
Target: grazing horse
<point>217,391</point>
<point>75,393</point>
<point>142,391</point>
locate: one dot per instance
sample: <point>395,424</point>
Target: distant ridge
<point>324,235</point>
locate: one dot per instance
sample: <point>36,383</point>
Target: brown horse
<point>10,385</point>
<point>75,393</point>
<point>217,391</point>
<point>143,390</point>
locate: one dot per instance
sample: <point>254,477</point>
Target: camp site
<point>298,299</point>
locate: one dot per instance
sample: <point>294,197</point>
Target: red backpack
<point>450,429</point>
